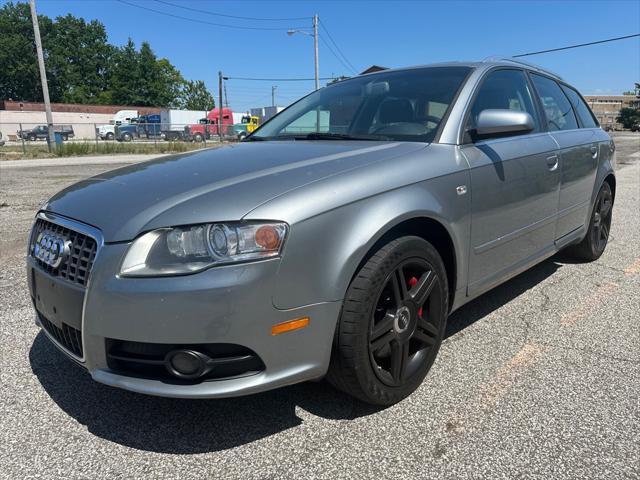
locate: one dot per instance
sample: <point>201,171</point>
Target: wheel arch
<point>611,180</point>
<point>430,230</point>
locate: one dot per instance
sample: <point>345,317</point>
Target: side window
<point>504,90</point>
<point>557,107</point>
<point>581,108</point>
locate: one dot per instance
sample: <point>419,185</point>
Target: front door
<point>514,186</point>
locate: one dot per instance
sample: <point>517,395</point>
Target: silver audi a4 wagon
<point>332,242</point>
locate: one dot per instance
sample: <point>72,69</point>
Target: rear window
<point>557,107</point>
<point>582,110</point>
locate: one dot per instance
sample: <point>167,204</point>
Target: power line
<point>577,46</point>
<point>207,12</point>
<point>279,79</point>
<point>335,55</point>
<point>223,25</point>
<point>351,67</point>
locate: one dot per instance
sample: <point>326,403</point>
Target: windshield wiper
<point>339,136</point>
<point>254,138</point>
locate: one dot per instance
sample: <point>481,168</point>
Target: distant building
<point>373,68</point>
<point>607,107</point>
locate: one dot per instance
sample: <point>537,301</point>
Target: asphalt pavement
<point>539,378</point>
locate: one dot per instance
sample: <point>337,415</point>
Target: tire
<point>109,136</point>
<point>126,137</point>
<point>32,138</point>
<point>197,138</point>
<point>65,138</point>
<point>595,241</point>
<point>242,136</point>
<point>387,337</point>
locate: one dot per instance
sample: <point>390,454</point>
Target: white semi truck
<point>172,122</point>
<point>107,132</point>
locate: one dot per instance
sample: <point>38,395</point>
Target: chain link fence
<point>26,140</point>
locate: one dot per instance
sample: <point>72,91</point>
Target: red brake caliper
<point>413,281</point>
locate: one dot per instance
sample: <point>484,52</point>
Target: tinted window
<point>581,108</point>
<point>504,90</point>
<point>402,105</point>
<point>557,107</point>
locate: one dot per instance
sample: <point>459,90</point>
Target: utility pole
<point>220,104</point>
<point>315,46</point>
<point>43,73</point>
<point>273,95</point>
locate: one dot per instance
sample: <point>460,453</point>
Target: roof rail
<point>521,62</point>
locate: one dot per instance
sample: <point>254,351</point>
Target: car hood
<point>223,184</point>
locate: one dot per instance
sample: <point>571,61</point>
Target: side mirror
<point>496,123</point>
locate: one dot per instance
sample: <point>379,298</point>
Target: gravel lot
<point>539,378</point>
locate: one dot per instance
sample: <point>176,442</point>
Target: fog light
<point>187,364</point>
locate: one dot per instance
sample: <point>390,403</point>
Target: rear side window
<point>557,107</point>
<point>504,90</point>
<point>582,110</point>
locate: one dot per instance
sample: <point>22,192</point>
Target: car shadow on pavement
<point>501,295</point>
<point>167,425</point>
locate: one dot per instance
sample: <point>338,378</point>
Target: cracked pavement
<point>539,378</point>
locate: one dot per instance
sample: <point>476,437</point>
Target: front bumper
<point>230,304</point>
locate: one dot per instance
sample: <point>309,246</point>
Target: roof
<point>486,63</point>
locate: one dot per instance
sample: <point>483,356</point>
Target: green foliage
<point>628,117</point>
<point>83,68</point>
<point>19,78</point>
<point>195,96</point>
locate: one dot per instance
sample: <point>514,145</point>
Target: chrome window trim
<point>89,231</point>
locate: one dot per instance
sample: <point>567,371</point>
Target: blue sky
<point>389,33</point>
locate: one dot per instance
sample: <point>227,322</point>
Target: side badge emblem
<point>461,190</point>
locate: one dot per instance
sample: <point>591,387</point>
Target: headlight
<point>182,250</point>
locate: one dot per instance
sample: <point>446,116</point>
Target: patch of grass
<point>72,149</point>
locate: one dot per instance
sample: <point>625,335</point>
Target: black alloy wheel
<point>401,329</point>
<point>597,237</point>
<point>601,224</point>
<point>392,322</point>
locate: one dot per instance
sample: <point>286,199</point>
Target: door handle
<point>552,163</point>
<point>594,151</point>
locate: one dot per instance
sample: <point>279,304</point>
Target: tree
<point>78,57</point>
<point>195,96</point>
<point>82,67</point>
<point>628,117</point>
<point>19,76</point>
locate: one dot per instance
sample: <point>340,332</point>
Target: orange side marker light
<point>290,325</point>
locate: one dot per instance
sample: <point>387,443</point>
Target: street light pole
<point>43,73</point>
<point>315,48</point>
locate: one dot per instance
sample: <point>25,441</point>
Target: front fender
<point>325,250</point>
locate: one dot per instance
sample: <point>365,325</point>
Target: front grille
<point>146,360</point>
<point>77,267</point>
<point>67,336</point>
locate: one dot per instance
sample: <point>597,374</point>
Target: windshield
<point>406,105</point>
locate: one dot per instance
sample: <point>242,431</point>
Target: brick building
<point>607,107</point>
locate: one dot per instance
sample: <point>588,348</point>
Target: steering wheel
<point>433,119</point>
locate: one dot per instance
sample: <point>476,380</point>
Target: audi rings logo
<point>51,249</point>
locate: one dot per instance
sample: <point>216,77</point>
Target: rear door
<point>576,134</point>
<point>514,186</point>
